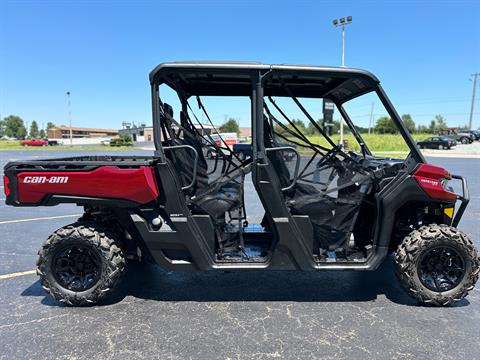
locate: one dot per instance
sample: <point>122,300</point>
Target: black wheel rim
<point>76,268</point>
<point>441,268</point>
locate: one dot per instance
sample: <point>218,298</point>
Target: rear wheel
<point>464,140</point>
<point>440,147</point>
<point>80,264</point>
<point>437,264</point>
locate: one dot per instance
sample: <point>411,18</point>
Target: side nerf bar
<point>464,198</point>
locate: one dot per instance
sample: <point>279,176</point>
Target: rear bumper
<point>464,199</point>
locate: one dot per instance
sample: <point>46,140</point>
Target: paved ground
<point>156,314</point>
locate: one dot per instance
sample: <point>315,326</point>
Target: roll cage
<point>196,79</point>
<point>307,224</point>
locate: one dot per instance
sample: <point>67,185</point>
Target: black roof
<point>227,78</point>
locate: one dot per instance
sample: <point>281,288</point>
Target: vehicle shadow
<point>152,283</point>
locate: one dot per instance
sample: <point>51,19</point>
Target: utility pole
<point>341,23</point>
<point>370,124</point>
<point>473,99</point>
<point>70,117</point>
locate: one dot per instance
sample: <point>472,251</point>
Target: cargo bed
<point>125,181</point>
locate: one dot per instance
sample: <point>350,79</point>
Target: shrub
<point>124,140</point>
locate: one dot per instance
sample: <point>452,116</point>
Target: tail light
<point>434,181</point>
<point>6,182</point>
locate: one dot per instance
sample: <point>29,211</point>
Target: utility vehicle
<point>326,209</point>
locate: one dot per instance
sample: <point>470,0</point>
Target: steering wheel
<point>331,154</point>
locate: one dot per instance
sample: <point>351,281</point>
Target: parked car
<point>34,142</point>
<point>458,135</point>
<point>437,142</point>
<point>53,143</point>
<point>243,150</point>
<point>222,141</point>
<point>474,133</point>
<point>246,150</point>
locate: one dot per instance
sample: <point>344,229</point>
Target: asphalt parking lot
<point>157,314</point>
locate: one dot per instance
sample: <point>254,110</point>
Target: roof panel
<point>234,79</point>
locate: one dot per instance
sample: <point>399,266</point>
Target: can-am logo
<point>45,180</point>
<point>431,182</point>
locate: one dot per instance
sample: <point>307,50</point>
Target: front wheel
<point>80,264</point>
<point>464,141</point>
<point>440,147</point>
<point>437,264</point>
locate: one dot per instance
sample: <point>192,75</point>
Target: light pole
<point>341,23</point>
<point>370,124</point>
<point>70,117</point>
<point>473,99</point>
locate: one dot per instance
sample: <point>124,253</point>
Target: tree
<point>311,129</point>
<point>34,129</point>
<point>385,125</point>
<point>230,125</point>
<point>423,129</point>
<point>50,125</point>
<point>14,127</point>
<point>409,123</point>
<point>299,124</point>
<point>441,123</point>
<point>432,127</point>
<point>2,127</point>
<point>41,134</point>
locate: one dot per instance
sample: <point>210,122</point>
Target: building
<point>63,132</point>
<point>144,133</point>
<point>138,134</point>
<point>245,133</point>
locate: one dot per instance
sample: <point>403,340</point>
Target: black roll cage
<point>236,78</point>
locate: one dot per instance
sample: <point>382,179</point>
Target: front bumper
<point>464,199</point>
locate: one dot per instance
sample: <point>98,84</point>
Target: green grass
<point>375,142</point>
<point>15,145</point>
<point>379,144</point>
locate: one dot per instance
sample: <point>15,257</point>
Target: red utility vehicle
<point>324,208</point>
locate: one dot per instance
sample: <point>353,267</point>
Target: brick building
<point>63,132</point>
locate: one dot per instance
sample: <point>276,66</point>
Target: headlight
<point>445,185</point>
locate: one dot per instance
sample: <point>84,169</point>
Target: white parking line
<point>21,273</point>
<point>38,219</point>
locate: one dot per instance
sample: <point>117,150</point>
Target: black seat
<point>216,198</point>
<point>331,217</point>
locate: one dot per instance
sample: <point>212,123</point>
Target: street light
<point>341,23</point>
<point>70,117</point>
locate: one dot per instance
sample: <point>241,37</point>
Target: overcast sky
<point>102,51</point>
